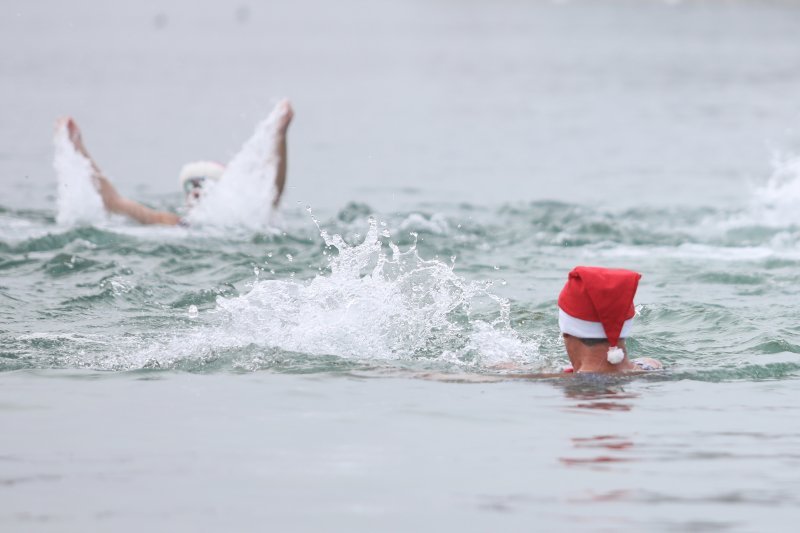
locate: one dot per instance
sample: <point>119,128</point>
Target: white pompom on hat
<point>201,169</point>
<point>597,303</point>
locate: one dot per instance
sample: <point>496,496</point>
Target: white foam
<point>436,223</point>
<point>78,201</point>
<point>243,196</point>
<point>374,305</point>
<point>775,203</point>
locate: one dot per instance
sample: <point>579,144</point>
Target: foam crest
<point>78,201</point>
<point>243,196</point>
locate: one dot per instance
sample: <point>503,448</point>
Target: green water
<point>468,289</point>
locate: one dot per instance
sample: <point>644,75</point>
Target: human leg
<point>286,113</point>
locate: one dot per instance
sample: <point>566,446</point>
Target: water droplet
<point>289,257</point>
<point>192,311</point>
<point>269,254</point>
<point>496,267</point>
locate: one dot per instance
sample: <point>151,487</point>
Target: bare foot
<point>285,115</point>
<point>73,134</point>
<point>61,122</point>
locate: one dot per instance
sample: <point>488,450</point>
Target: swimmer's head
<point>595,308</point>
<point>194,176</point>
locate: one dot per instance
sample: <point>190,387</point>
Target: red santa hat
<point>597,303</point>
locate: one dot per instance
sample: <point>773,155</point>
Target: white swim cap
<point>201,169</point>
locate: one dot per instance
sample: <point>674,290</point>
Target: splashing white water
<point>772,205</point>
<point>78,201</point>
<point>777,201</point>
<point>401,308</point>
<point>243,196</point>
<point>373,306</point>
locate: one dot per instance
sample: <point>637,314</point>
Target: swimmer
<point>193,176</point>
<point>595,315</point>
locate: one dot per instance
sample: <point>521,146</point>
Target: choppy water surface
<point>444,305</point>
<point>456,288</point>
<point>379,355</point>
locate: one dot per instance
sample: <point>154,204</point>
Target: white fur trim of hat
<point>585,329</point>
<point>201,169</point>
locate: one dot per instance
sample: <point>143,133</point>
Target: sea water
<point>382,352</point>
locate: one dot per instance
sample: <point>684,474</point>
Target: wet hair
<point>589,342</point>
<point>592,342</point>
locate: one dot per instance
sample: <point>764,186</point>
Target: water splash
<point>372,305</point>
<point>243,196</point>
<point>775,203</point>
<point>768,224</point>
<point>78,201</point>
